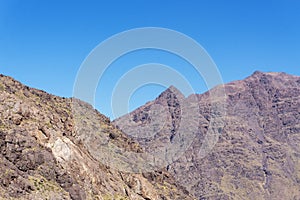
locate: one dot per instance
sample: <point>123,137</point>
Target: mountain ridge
<point>48,150</point>
<point>257,148</point>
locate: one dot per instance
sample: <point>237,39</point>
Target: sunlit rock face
<point>60,148</point>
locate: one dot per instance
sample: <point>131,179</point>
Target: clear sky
<point>44,42</point>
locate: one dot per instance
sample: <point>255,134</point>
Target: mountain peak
<point>172,87</point>
<point>262,124</point>
<point>271,74</point>
<point>171,91</point>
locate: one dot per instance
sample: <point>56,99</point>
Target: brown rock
<point>257,155</point>
<point>49,151</point>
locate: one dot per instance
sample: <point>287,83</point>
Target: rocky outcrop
<point>257,154</point>
<point>60,148</point>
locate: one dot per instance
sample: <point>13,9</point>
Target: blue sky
<point>43,43</point>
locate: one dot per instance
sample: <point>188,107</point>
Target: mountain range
<point>256,154</point>
<point>236,141</point>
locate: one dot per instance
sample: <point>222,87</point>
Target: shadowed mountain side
<point>257,155</point>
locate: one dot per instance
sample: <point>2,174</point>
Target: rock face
<point>257,154</point>
<point>55,148</point>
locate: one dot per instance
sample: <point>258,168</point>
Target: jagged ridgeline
<point>47,151</point>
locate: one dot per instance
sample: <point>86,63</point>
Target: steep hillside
<point>257,154</point>
<point>50,151</point>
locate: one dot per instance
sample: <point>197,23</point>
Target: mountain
<point>237,141</point>
<point>62,148</point>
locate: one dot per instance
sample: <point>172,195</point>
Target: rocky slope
<point>257,151</point>
<point>59,148</point>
